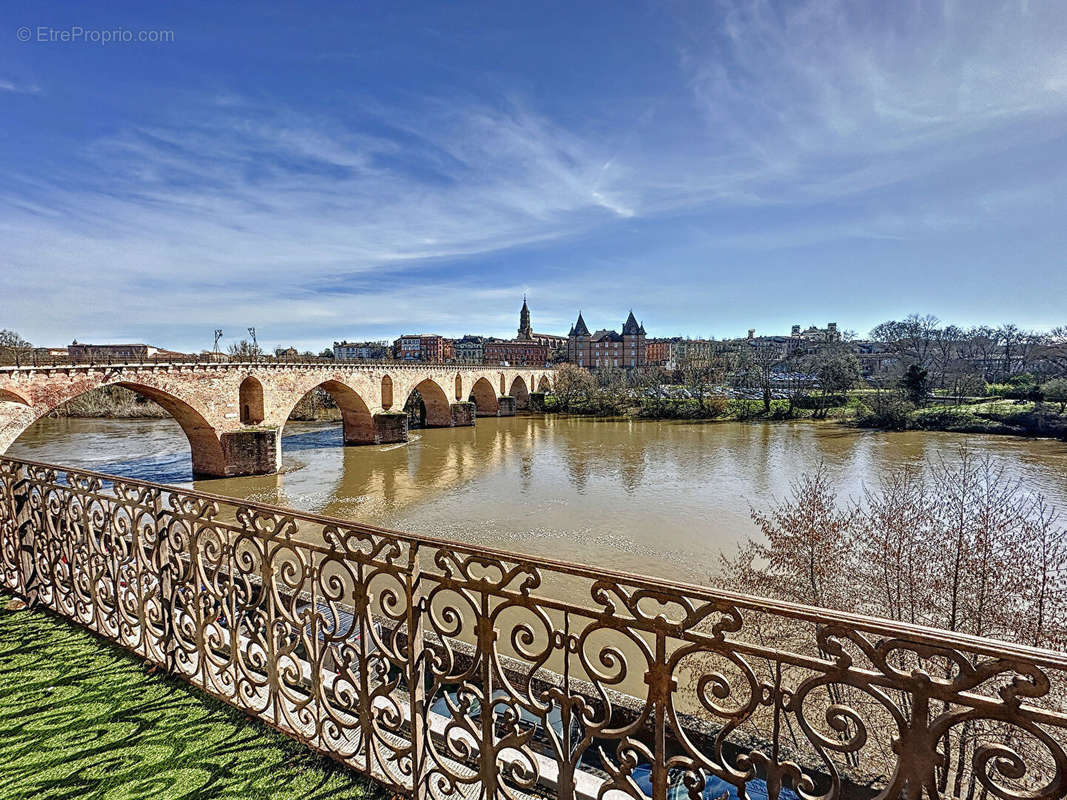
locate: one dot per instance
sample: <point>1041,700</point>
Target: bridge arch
<point>520,393</point>
<point>206,449</point>
<point>436,411</point>
<point>459,386</point>
<point>543,385</point>
<point>356,417</point>
<point>485,397</point>
<point>250,399</point>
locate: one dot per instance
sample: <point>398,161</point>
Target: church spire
<point>525,328</point>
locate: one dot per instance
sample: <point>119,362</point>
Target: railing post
<point>165,564</point>
<point>24,529</point>
<point>417,611</point>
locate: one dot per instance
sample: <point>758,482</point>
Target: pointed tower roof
<point>525,328</point>
<point>580,328</point>
<point>630,327</point>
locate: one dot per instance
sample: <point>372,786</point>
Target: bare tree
<point>244,351</point>
<point>704,375</point>
<point>835,370</point>
<point>13,348</point>
<point>911,339</point>
<point>573,385</point>
<point>755,369</point>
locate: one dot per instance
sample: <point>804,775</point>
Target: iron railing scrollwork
<point>444,669</point>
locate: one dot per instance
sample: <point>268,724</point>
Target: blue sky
<point>363,170</point>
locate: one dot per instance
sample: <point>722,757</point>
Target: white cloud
<point>235,209</point>
<point>823,98</point>
<point>18,88</point>
<point>231,209</point>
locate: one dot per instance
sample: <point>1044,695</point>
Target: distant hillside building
<point>677,352</point>
<point>360,351</point>
<point>423,347</point>
<point>813,334</point>
<point>469,349</point>
<point>607,348</point>
<point>119,352</point>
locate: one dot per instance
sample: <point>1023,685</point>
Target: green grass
<point>80,718</point>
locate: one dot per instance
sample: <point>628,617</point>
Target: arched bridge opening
<point>333,400</point>
<point>484,398</point>
<point>250,397</point>
<point>207,451</point>
<point>428,406</point>
<point>520,393</point>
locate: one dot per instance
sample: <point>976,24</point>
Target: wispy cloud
<point>781,125</point>
<point>269,202</point>
<point>7,85</point>
<point>824,98</point>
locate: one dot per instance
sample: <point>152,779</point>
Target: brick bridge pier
<point>234,414</point>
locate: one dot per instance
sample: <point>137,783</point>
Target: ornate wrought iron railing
<point>444,669</point>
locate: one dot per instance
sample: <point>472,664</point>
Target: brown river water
<point>656,498</point>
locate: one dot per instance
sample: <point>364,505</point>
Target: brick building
<point>607,348</point>
<point>677,352</point>
<point>514,352</point>
<point>423,347</point>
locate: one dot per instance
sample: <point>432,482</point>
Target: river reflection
<point>656,498</point>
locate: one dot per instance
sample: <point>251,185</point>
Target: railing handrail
<point>936,637</point>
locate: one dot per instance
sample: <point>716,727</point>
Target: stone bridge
<point>233,414</point>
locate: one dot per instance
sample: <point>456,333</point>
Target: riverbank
<point>992,416</point>
<point>715,407</point>
<point>858,409</point>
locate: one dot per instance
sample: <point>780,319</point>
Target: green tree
<point>916,384</point>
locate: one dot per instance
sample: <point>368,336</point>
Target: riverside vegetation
<point>1022,406</point>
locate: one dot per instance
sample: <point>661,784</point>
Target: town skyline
<point>391,333</point>
<point>327,177</point>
